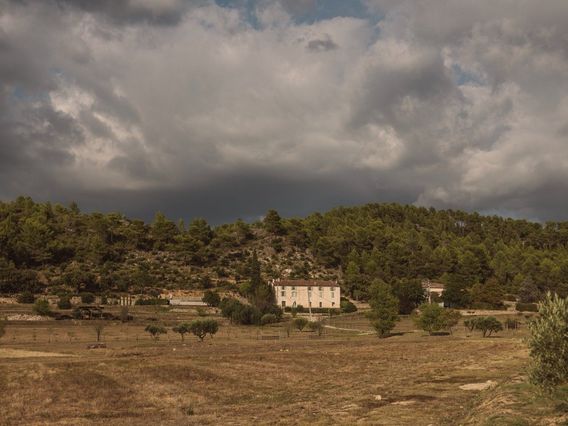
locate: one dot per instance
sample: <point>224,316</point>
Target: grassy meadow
<point>246,375</point>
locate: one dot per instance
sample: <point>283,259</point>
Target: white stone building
<point>306,293</point>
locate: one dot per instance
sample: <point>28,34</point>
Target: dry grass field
<point>48,376</point>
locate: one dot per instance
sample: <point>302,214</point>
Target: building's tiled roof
<point>432,285</point>
<point>305,283</point>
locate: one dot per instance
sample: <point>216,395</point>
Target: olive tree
<point>300,323</point>
<point>548,343</point>
<point>433,318</point>
<point>202,328</point>
<point>155,330</point>
<point>488,325</point>
<point>182,329</point>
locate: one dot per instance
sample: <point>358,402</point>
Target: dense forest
<point>47,247</point>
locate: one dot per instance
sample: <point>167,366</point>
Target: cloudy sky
<point>224,109</point>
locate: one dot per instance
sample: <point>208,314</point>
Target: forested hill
<point>49,247</point>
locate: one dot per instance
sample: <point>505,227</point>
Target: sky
<point>225,109</point>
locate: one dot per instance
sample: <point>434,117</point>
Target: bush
<point>64,303</point>
<point>26,298</point>
<point>488,325</point>
<point>300,323</point>
<point>316,326</point>
<point>41,307</point>
<point>384,308</point>
<point>268,319</point>
<point>526,307</point>
<point>87,298</point>
<point>433,318</point>
<point>211,298</point>
<point>347,306</point>
<point>548,343</point>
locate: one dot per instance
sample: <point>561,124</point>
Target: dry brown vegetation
<point>239,378</point>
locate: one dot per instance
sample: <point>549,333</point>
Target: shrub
<point>548,343</point>
<point>347,306</point>
<point>526,307</point>
<point>26,298</point>
<point>316,326</point>
<point>470,323</point>
<point>64,303</point>
<point>211,298</point>
<point>155,330</point>
<point>41,307</point>
<point>512,324</point>
<point>268,319</point>
<point>433,318</point>
<point>300,323</point>
<point>87,298</point>
<point>488,325</point>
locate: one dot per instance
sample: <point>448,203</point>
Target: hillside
<point>49,248</point>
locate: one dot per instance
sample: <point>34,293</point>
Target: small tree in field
<point>488,325</point>
<point>433,318</point>
<point>300,323</point>
<point>384,308</point>
<point>182,329</point>
<point>155,330</point>
<point>99,327</point>
<point>202,328</point>
<point>548,343</point>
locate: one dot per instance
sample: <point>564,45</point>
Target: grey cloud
<point>321,45</point>
<point>441,103</point>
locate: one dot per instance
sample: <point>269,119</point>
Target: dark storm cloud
<point>200,110</point>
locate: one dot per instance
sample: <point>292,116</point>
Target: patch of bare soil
<point>20,353</point>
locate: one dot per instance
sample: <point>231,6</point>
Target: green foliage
<point>64,302</point>
<point>41,307</point>
<point>433,318</point>
<point>316,326</point>
<point>87,298</point>
<point>528,291</point>
<point>488,325</point>
<point>384,308</point>
<point>268,319</point>
<point>409,293</point>
<point>300,323</point>
<point>182,329</point>
<point>548,343</point>
<point>489,295</point>
<point>273,223</point>
<point>212,298</point>
<point>239,313</point>
<point>347,306</point>
<point>202,328</point>
<point>26,298</point>
<point>526,307</point>
<point>155,330</point>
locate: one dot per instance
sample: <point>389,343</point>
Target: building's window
<point>310,303</point>
<point>332,303</point>
<point>283,293</point>
<point>320,289</point>
<point>320,305</point>
<point>309,289</point>
<point>283,287</point>
<point>283,303</point>
<point>332,288</point>
<point>321,294</point>
<point>293,294</point>
<point>293,288</point>
<point>332,295</point>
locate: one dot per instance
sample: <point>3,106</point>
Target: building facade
<point>307,293</point>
